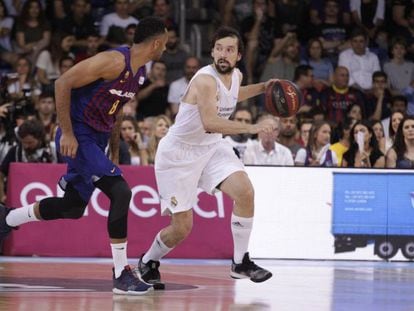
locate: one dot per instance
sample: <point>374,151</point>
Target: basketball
<point>282,98</point>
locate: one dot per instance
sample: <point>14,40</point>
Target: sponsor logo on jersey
<point>121,93</point>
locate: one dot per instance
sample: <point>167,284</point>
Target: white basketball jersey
<point>188,126</point>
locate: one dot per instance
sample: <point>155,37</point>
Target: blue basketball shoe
<point>128,283</point>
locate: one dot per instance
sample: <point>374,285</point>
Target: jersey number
<point>113,108</point>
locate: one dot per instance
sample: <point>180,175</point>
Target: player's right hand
<point>68,145</point>
<point>266,126</point>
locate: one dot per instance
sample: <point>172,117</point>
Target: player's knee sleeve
<point>117,190</point>
<point>71,206</point>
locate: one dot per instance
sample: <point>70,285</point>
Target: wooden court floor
<point>64,284</point>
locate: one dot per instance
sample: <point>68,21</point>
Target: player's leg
<point>168,238</point>
<point>240,189</point>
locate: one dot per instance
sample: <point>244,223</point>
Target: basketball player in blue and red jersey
<point>89,100</point>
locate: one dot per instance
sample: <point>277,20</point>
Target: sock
<point>157,250</point>
<point>119,256</point>
<point>21,215</point>
<point>241,228</point>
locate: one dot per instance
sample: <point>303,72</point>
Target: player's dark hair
<point>148,28</point>
<point>224,32</point>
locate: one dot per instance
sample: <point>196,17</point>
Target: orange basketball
<point>282,98</point>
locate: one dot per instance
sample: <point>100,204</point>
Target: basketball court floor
<point>63,284</point>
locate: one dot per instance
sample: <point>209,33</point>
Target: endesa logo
<point>145,201</point>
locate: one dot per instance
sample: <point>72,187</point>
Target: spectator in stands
<point>401,155</point>
<point>140,8</point>
<point>174,56</point>
<point>395,120</point>
<point>379,134</point>
<point>7,135</point>
<point>32,147</point>
<point>265,150</point>
<point>400,10</point>
<point>79,22</point>
<point>162,9</point>
<point>46,114</point>
<point>318,10</point>
<point>65,63</point>
<point>258,31</point>
<point>342,145</point>
<point>129,34</point>
<point>146,126</point>
<point>303,78</point>
<point>360,62</point>
<point>366,152</point>
<point>241,141</point>
<point>23,85</point>
<point>354,111</point>
<point>407,31</point>
<point>398,103</point>
<point>161,125</point>
<point>117,21</point>
<point>304,130</point>
<point>6,26</point>
<point>322,67</point>
<point>317,152</point>
<point>336,99</point>
<point>91,49</point>
<point>47,64</point>
<point>32,30</point>
<point>288,134</point>
<point>399,70</point>
<point>378,99</point>
<point>332,31</point>
<point>132,137</point>
<point>282,63</point>
<point>178,87</point>
<point>368,14</point>
<point>153,96</point>
<point>290,16</point>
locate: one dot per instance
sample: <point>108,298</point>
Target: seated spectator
<point>379,134</point>
<point>162,9</point>
<point>178,87</point>
<point>354,112</point>
<point>91,49</point>
<point>32,30</point>
<point>378,99</point>
<point>65,63</point>
<point>117,20</point>
<point>153,95</point>
<point>342,145</point>
<point>407,31</point>
<point>46,114</point>
<point>303,78</point>
<point>401,154</point>
<point>130,34</point>
<point>336,99</point>
<point>174,56</point>
<point>161,125</point>
<point>317,152</point>
<point>290,16</point>
<point>395,120</point>
<point>304,130</point>
<point>265,150</point>
<point>322,67</point>
<point>132,137</point>
<point>47,64</point>
<point>368,14</point>
<point>282,63</point>
<point>360,62</point>
<point>399,70</point>
<point>363,152</point>
<point>23,85</point>
<point>241,141</point>
<point>398,103</point>
<point>31,148</point>
<point>318,10</point>
<point>6,25</point>
<point>288,134</point>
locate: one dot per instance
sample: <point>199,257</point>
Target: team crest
<point>174,201</point>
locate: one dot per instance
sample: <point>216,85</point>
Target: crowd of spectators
<point>353,61</point>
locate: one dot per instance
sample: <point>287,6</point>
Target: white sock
<point>241,228</point>
<point>157,250</point>
<point>21,216</point>
<point>119,256</point>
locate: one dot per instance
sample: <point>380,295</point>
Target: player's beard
<point>223,66</point>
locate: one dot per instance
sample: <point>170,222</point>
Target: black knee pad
<point>117,190</point>
<point>71,206</point>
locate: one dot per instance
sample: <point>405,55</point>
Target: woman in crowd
<point>378,129</point>
<point>131,136</point>
<point>317,152</point>
<point>395,120</point>
<point>401,154</point>
<point>344,133</point>
<point>23,85</point>
<point>363,150</point>
<point>161,125</point>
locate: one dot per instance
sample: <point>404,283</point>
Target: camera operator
<point>31,148</point>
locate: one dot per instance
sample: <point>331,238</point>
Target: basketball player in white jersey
<point>194,155</point>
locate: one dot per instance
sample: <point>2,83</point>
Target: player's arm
<point>251,90</point>
<point>114,140</point>
<point>205,86</point>
<point>105,65</point>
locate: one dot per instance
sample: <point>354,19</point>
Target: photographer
<point>31,148</point>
